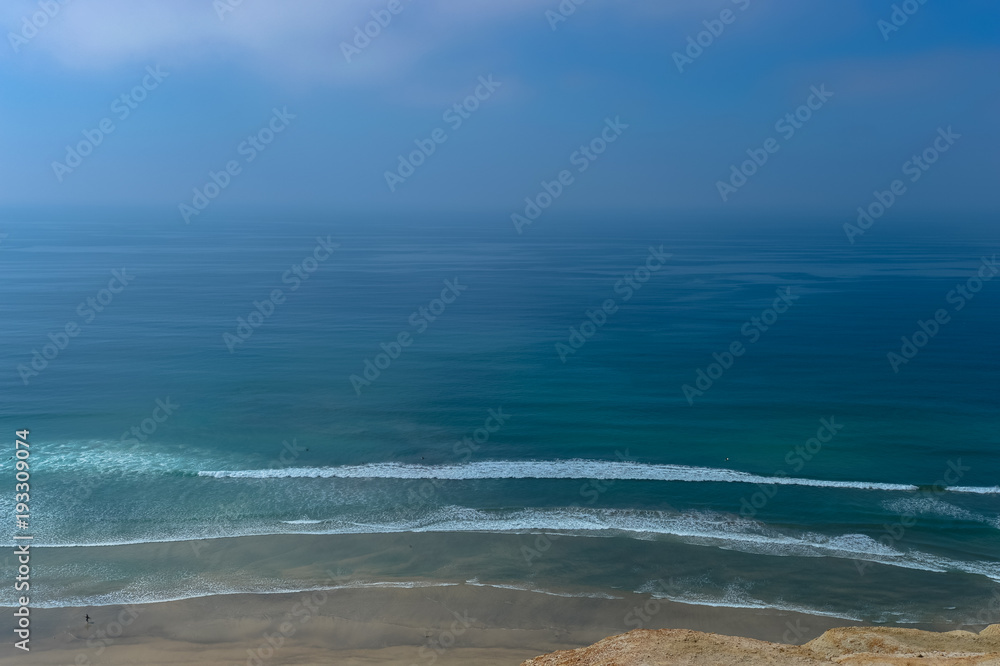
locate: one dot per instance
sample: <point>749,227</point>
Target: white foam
<point>725,531</point>
<point>525,588</point>
<point>561,469</point>
<point>979,490</point>
<point>734,596</point>
<point>118,457</point>
<point>142,594</point>
<point>932,505</point>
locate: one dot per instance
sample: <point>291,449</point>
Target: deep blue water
<point>262,436</point>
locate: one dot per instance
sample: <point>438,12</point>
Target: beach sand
<point>408,599</point>
<point>462,624</point>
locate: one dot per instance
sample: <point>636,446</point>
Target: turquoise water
<point>809,474</point>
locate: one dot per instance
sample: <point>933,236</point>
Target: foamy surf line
<point>131,597</point>
<point>565,469</point>
<point>121,598</point>
<point>708,529</point>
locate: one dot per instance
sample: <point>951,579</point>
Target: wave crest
<point>565,469</point>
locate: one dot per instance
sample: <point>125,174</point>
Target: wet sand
<point>408,599</point>
<point>462,624</point>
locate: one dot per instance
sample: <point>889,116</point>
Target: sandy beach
<point>418,599</point>
<point>462,624</point>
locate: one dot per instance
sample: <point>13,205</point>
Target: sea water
<point>728,415</point>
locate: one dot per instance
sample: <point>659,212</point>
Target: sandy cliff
<point>851,646</point>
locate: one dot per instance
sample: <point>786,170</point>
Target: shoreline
<point>460,624</point>
<point>547,565</point>
<point>355,584</point>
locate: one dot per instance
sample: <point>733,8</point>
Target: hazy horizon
<point>215,77</point>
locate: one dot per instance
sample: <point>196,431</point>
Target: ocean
<point>730,414</point>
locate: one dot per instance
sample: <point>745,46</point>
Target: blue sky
<point>557,88</point>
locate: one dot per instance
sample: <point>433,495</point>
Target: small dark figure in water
<point>87,617</point>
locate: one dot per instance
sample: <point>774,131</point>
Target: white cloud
<point>297,39</point>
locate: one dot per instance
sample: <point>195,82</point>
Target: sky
<point>674,118</point>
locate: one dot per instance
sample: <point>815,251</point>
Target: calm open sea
<point>521,396</point>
